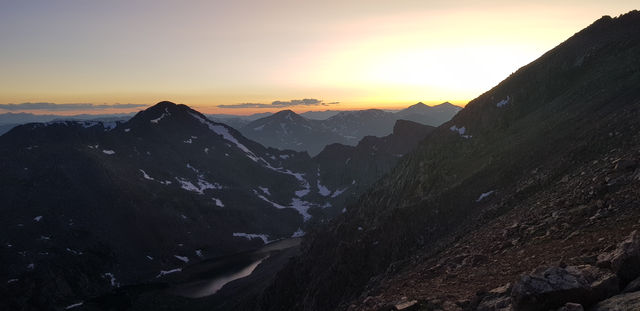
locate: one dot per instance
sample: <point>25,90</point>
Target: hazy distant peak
<point>419,104</point>
<point>286,112</point>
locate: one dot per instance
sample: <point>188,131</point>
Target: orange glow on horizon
<point>360,53</point>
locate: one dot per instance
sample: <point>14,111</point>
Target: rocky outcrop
<point>555,286</point>
<point>625,259</point>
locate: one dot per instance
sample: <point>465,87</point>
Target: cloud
<point>67,107</point>
<point>282,104</point>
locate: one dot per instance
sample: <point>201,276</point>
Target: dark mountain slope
<point>575,105</point>
<point>353,169</point>
<point>166,188</point>
<point>288,130</point>
<point>94,205</point>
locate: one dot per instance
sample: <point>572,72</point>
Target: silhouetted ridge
<point>518,179</point>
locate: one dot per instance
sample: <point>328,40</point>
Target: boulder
<point>624,260</point>
<point>556,286</point>
<point>623,302</point>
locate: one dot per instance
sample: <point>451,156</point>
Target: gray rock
<point>634,286</point>
<point>624,302</point>
<point>497,299</point>
<point>626,165</point>
<point>555,286</point>
<point>625,259</point>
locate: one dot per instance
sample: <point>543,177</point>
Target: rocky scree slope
<point>526,175</point>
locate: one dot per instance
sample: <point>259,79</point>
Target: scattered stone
<point>555,286</point>
<point>406,304</point>
<point>625,259</point>
<point>497,299</point>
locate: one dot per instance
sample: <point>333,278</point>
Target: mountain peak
<point>164,104</point>
<point>163,112</point>
<point>419,105</point>
<point>285,112</point>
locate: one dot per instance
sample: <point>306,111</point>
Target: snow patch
<point>182,258</point>
<point>112,279</point>
<point>265,190</point>
<point>202,185</point>
<point>322,190</point>
<point>218,202</point>
<point>284,156</point>
<point>199,253</point>
<point>302,207</point>
<point>460,131</point>
<point>165,272</point>
<point>338,192</point>
<point>276,205</point>
<point>109,152</point>
<point>298,233</point>
<point>75,252</point>
<point>11,281</point>
<point>251,236</point>
<point>224,132</point>
<point>37,218</point>
<point>484,195</point>
<point>164,114</point>
<point>192,168</point>
<point>75,305</point>
<point>145,175</point>
<point>503,102</point>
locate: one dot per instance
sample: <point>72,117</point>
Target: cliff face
<point>540,169</point>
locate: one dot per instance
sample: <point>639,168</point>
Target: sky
<point>245,57</point>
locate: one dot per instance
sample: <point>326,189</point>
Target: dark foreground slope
<point>539,169</point>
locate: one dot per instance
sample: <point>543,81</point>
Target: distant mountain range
<point>89,203</point>
<point>10,120</point>
<point>288,130</point>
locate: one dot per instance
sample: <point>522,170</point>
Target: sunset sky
<point>338,54</point>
